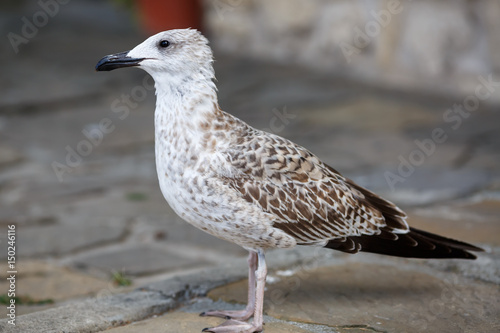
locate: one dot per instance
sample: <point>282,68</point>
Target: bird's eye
<point>164,43</point>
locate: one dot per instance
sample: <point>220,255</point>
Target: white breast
<point>192,166</point>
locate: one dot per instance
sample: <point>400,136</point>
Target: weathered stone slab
<point>43,280</point>
<point>137,259</point>
<point>176,230</point>
<point>191,322</point>
<point>386,298</point>
<point>60,239</point>
<point>43,283</point>
<point>477,222</point>
<point>93,315</point>
<point>8,156</point>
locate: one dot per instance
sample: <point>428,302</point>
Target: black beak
<point>118,60</point>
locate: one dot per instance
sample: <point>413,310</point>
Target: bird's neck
<point>185,109</point>
<point>185,97</point>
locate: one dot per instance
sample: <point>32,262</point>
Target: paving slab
<point>332,292</point>
<point>8,156</point>
<point>110,308</point>
<point>137,259</point>
<point>471,221</point>
<point>271,324</point>
<point>41,280</point>
<point>387,298</point>
<point>41,240</point>
<point>45,285</point>
<point>27,90</point>
<point>426,185</point>
<point>93,315</point>
<point>190,322</point>
<point>172,322</point>
<point>178,231</point>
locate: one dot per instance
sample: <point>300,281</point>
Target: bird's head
<point>172,53</point>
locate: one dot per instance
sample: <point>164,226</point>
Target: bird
<point>254,188</point>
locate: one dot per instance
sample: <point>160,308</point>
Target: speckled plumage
<point>253,188</point>
<point>257,189</point>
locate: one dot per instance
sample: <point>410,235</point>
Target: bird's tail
<point>414,244</point>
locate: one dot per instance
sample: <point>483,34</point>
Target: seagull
<point>253,188</point>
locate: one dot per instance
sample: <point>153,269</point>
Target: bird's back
<point>316,205</point>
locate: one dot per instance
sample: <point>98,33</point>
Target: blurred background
<point>401,96</point>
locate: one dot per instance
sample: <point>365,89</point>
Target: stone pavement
<point>102,213</point>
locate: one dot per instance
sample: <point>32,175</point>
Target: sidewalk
<point>308,291</point>
<point>108,216</point>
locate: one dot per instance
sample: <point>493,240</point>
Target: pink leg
<point>232,326</point>
<point>249,310</point>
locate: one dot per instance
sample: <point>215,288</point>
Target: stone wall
<point>421,44</point>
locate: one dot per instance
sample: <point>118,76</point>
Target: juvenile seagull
<point>253,188</point>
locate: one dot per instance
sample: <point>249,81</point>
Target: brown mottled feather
<point>316,205</point>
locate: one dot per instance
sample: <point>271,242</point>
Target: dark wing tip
<point>414,244</point>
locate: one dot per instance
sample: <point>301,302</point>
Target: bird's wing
<point>310,200</point>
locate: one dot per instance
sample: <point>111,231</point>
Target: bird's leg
<point>261,274</point>
<point>249,310</point>
<point>258,318</point>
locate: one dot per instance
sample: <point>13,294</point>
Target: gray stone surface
<point>321,288</point>
<point>46,284</point>
<point>8,156</point>
<point>93,315</point>
<point>38,241</point>
<point>385,298</point>
<point>137,259</point>
<point>181,321</point>
<point>110,308</point>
